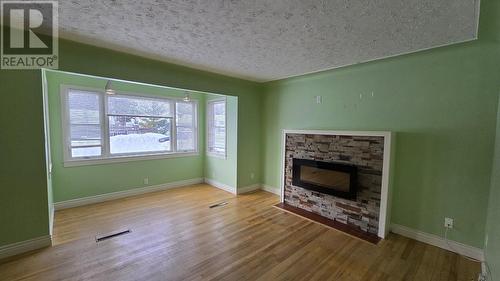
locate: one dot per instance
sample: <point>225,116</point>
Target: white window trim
<point>215,154</point>
<point>106,157</point>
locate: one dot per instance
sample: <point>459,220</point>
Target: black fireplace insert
<point>332,178</point>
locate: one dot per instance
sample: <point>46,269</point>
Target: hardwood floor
<point>176,236</point>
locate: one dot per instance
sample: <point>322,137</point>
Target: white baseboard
<point>271,189</point>
<point>220,185</point>
<point>25,246</point>
<point>248,188</point>
<point>484,269</point>
<point>121,194</point>
<point>462,249</point>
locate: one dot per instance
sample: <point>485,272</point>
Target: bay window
<point>98,127</point>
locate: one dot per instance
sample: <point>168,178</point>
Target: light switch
<point>319,99</point>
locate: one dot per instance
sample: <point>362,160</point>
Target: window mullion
<point>208,128</point>
<point>105,138</point>
<point>195,125</point>
<point>173,127</point>
<point>85,146</point>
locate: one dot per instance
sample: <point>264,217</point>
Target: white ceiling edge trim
<point>373,60</point>
<point>119,48</point>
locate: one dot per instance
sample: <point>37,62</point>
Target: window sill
<point>215,155</point>
<point>124,159</point>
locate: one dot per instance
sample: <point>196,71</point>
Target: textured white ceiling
<point>266,40</point>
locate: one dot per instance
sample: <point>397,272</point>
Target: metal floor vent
<point>218,205</point>
<point>112,235</point>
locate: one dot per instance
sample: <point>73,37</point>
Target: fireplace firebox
<point>326,177</point>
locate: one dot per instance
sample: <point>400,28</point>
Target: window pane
<point>83,107</point>
<point>139,134</point>
<point>85,151</point>
<point>185,126</point>
<point>185,139</point>
<point>85,134</point>
<point>220,114</point>
<point>217,127</point>
<point>184,114</point>
<point>84,123</point>
<point>125,105</point>
<point>219,139</point>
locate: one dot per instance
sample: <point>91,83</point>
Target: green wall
<point>225,170</point>
<point>23,182</point>
<point>23,178</point>
<point>442,104</point>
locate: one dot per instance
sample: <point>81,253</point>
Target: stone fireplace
<point>351,163</point>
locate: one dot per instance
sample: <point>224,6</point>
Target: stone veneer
<point>365,152</point>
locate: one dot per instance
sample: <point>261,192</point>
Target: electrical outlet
<point>145,180</point>
<point>448,222</point>
<point>252,176</point>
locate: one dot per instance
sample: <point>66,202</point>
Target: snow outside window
<point>139,125</point>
